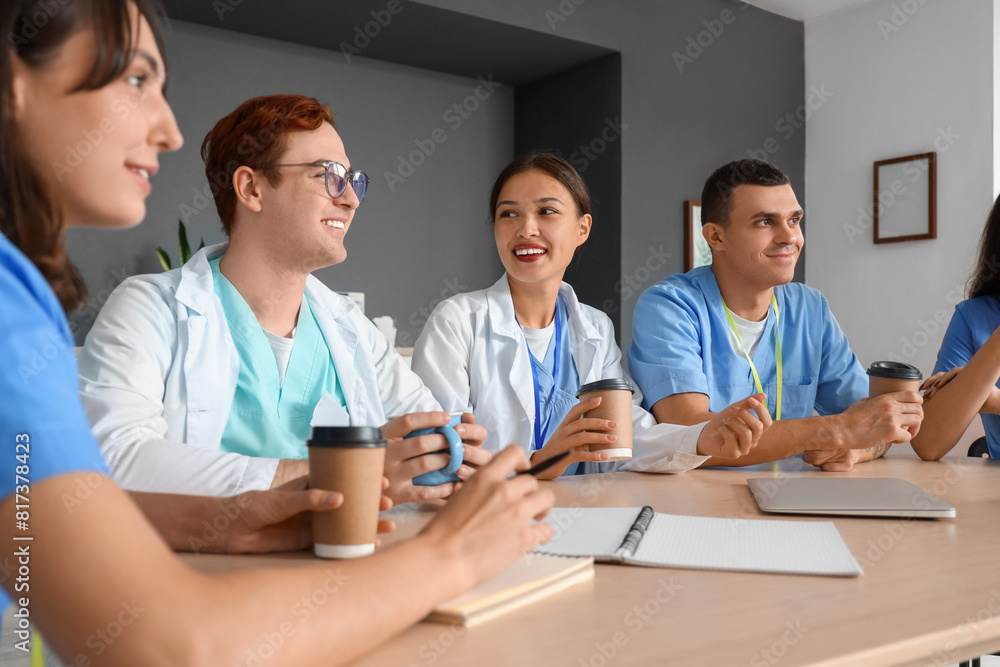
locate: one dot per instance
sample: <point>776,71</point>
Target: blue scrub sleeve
<point>41,417</point>
<point>958,344</point>
<point>665,355</point>
<point>842,379</point>
<point>43,427</point>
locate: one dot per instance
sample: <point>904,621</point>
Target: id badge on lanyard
<point>746,355</point>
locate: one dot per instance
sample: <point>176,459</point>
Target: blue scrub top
<point>555,405</point>
<point>681,344</point>
<point>972,324</point>
<point>39,395</point>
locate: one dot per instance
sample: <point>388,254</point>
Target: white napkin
<point>329,412</point>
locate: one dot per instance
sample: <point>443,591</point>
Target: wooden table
<point>930,595</point>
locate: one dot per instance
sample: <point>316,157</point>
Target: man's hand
<point>406,458</point>
<point>839,460</point>
<point>288,470</point>
<point>882,420</point>
<point>279,519</point>
<point>733,432</point>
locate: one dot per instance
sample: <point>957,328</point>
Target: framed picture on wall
<point>905,198</point>
<point>696,250</point>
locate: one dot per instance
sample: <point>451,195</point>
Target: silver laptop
<point>846,497</point>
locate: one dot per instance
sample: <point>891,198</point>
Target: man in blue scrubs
<point>204,380</point>
<point>706,338</point>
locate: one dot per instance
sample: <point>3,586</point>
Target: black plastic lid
<point>346,436</point>
<point>603,385</point>
<point>895,370</point>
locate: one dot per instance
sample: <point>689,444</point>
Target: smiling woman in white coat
<point>516,353</point>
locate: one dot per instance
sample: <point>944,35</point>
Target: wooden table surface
<point>930,594</point>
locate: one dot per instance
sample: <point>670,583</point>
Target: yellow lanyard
<point>753,369</point>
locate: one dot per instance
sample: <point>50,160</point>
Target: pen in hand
<point>544,465</point>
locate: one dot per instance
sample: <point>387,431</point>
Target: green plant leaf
<point>164,258</point>
<point>185,248</point>
<point>202,244</point>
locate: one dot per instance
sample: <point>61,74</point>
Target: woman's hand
<point>733,432</point>
<point>936,382</point>
<point>575,434</point>
<point>406,458</point>
<point>491,521</point>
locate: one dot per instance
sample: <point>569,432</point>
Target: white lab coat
<point>472,356</point>
<point>158,374</point>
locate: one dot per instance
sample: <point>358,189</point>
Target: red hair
<point>255,133</point>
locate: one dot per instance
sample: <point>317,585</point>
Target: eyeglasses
<point>337,177</point>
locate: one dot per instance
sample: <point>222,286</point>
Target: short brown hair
<point>717,195</point>
<point>255,133</point>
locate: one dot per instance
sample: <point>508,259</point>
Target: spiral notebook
<point>640,536</point>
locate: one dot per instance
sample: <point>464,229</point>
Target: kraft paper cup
<point>349,460</point>
<point>885,377</point>
<point>616,405</point>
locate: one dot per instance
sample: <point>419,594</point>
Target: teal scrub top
<point>268,418</point>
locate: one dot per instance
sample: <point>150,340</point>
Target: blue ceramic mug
<point>446,474</point>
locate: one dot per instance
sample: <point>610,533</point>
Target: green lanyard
<point>753,369</point>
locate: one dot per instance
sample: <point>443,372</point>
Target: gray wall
<point>679,123</point>
<point>408,247</point>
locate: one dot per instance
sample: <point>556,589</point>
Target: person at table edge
<point>694,335</point>
<point>204,379</point>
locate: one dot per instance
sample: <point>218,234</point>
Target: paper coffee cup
<point>885,377</point>
<point>349,460</point>
<point>616,406</point>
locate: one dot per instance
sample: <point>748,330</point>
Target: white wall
<point>903,76</point>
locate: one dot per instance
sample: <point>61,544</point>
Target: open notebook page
<point>594,531</point>
<point>747,545</point>
<point>709,543</point>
